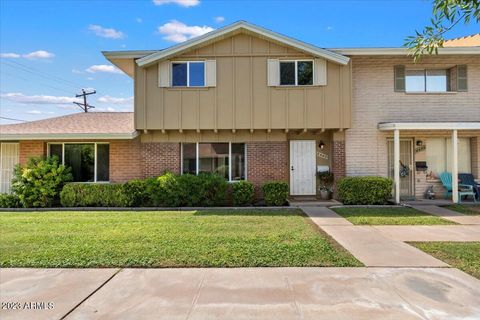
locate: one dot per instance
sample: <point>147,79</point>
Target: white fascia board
<point>387,126</point>
<point>132,54</point>
<point>172,51</point>
<point>68,136</point>
<point>402,51</point>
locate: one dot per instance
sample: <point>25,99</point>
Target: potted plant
<point>326,180</point>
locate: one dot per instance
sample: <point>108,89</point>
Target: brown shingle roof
<point>467,41</point>
<point>92,124</point>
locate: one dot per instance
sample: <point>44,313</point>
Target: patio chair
<point>468,179</point>
<point>463,189</point>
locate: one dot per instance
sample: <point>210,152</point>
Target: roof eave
<point>68,136</point>
<point>387,126</point>
<point>403,51</point>
<point>174,50</point>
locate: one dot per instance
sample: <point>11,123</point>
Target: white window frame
<point>188,73</point>
<point>425,75</point>
<point>94,161</point>
<point>197,159</point>
<point>296,73</point>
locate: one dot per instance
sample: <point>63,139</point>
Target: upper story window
<point>428,80</point>
<point>296,73</point>
<point>188,74</point>
<point>425,80</point>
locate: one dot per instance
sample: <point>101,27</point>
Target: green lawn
<point>462,255</point>
<point>166,239</point>
<point>465,209</point>
<point>388,216</point>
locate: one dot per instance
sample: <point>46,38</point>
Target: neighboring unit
<point>251,104</point>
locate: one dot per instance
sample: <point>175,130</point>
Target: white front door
<point>302,167</point>
<point>8,161</point>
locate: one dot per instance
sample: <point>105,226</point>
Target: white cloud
<point>183,3</point>
<point>39,112</point>
<point>219,19</point>
<point>108,109</point>
<point>40,54</point>
<point>113,100</point>
<point>10,55</point>
<point>103,68</point>
<point>177,31</point>
<point>38,99</point>
<point>109,33</point>
<point>76,71</point>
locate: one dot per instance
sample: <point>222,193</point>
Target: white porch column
<point>396,163</point>
<point>455,166</point>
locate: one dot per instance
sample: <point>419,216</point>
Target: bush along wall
<point>275,193</point>
<point>364,190</point>
<point>243,193</point>
<point>93,195</point>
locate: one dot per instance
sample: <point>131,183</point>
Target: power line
<point>40,83</point>
<point>13,119</point>
<point>54,77</point>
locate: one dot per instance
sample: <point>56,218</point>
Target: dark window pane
<point>287,73</point>
<point>213,157</point>
<point>238,161</point>
<point>179,74</point>
<point>305,73</point>
<point>103,160</point>
<point>56,150</point>
<point>197,74</point>
<point>189,158</point>
<point>80,157</point>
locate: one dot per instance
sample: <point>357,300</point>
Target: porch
<point>420,152</point>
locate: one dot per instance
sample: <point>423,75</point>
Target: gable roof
<point>90,125</point>
<point>238,27</point>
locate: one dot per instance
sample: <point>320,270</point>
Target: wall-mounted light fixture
<point>419,143</point>
<point>321,145</point>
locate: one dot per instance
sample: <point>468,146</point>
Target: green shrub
<point>190,190</point>
<point>39,182</point>
<point>275,193</point>
<point>213,189</point>
<point>364,190</point>
<point>243,193</point>
<point>136,194</point>
<point>93,195</point>
<point>9,201</point>
<point>165,191</point>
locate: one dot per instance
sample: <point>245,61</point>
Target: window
<point>439,155</point>
<point>430,80</point>
<point>188,74</point>
<point>89,161</point>
<point>226,159</point>
<point>296,73</point>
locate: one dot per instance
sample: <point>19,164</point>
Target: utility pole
<point>85,106</point>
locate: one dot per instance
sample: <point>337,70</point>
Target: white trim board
<point>67,136</point>
<point>429,126</point>
<point>238,26</point>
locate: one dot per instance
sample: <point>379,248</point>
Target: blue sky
<point>51,49</point>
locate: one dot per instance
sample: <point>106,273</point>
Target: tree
<point>446,15</point>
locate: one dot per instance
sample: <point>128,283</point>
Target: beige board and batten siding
<point>242,99</point>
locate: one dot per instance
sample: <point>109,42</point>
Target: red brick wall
<point>267,161</point>
<point>126,161</point>
<point>29,149</point>
<point>159,157</point>
<point>338,162</point>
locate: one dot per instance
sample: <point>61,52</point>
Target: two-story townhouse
<point>252,104</point>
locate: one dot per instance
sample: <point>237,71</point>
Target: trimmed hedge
<point>9,201</point>
<point>93,195</point>
<point>364,190</point>
<point>243,193</point>
<point>275,193</point>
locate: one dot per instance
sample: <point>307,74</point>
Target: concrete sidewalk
<point>244,293</point>
<point>458,233</point>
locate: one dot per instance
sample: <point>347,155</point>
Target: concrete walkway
<point>384,246</point>
<point>448,214</point>
<point>244,293</point>
<point>431,233</point>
